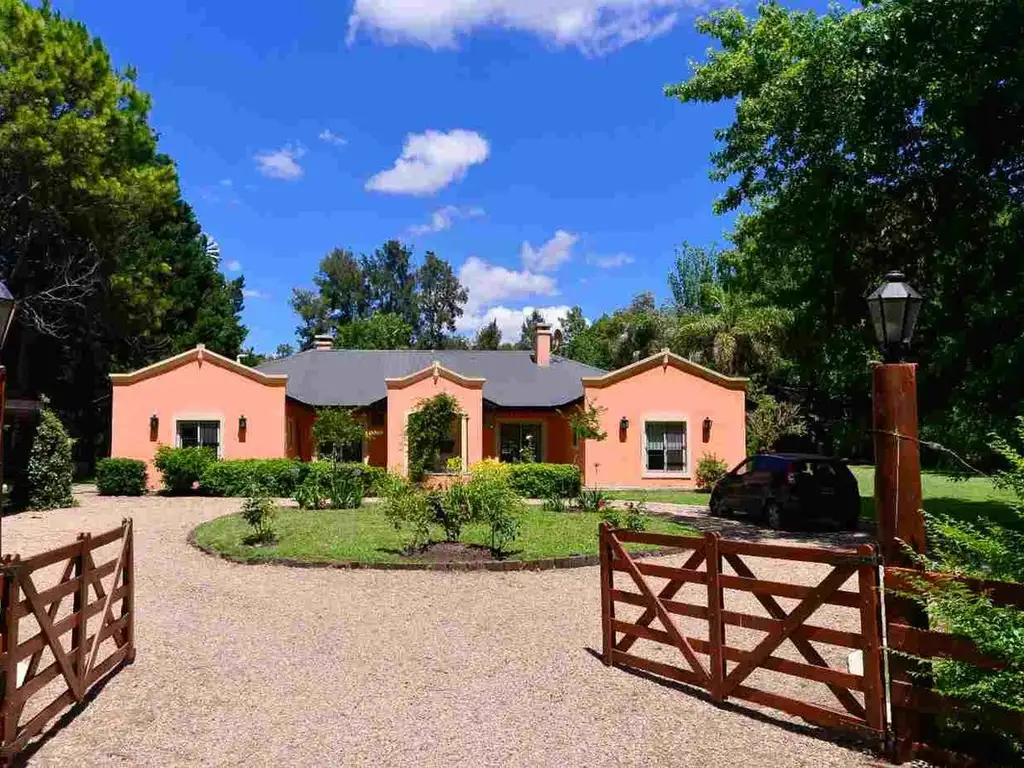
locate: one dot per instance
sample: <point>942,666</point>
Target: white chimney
<point>542,345</point>
<point>323,341</point>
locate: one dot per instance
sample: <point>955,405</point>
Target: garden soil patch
<point>451,552</point>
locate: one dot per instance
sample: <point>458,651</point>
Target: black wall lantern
<point>242,423</point>
<point>894,307</point>
<point>623,423</point>
<point>154,423</point>
<point>707,429</point>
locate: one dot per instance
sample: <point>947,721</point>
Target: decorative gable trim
<point>664,359</point>
<point>436,371</point>
<point>199,355</point>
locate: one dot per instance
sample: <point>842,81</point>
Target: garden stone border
<point>544,564</point>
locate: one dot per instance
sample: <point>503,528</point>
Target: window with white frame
<point>205,434</point>
<point>665,446</point>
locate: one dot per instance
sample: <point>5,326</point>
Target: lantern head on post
<point>894,307</point>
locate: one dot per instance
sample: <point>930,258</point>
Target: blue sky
<point>526,141</point>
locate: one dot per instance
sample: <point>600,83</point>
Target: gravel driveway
<point>265,665</point>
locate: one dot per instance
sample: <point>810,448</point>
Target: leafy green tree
<point>50,468</point>
<point>488,337</point>
<point>733,334</point>
<point>391,282</point>
<point>528,332</point>
<point>440,298</point>
<point>379,331</point>
<point>870,139</point>
<point>284,350</point>
<point>111,269</point>
<point>341,281</point>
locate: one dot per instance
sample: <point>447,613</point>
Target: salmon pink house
<point>661,414</point>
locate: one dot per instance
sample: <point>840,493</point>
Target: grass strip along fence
<point>34,617</point>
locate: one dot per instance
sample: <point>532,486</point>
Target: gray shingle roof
<point>354,377</point>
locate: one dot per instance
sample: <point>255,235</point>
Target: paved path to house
<point>264,665</point>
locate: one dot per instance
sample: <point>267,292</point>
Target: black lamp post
<point>894,308</point>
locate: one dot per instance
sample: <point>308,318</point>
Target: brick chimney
<point>323,341</point>
<point>542,345</point>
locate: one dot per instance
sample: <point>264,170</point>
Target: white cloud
<point>613,261</point>
<point>490,283</point>
<point>332,138</point>
<point>226,182</point>
<point>281,163</point>
<point>510,321</point>
<point>233,266</point>
<point>593,26</point>
<point>252,293</point>
<point>430,162</point>
<point>442,219</point>
<point>549,256</point>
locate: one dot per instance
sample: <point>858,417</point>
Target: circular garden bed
<point>363,538</point>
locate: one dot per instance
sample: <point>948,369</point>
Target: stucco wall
<point>662,393</point>
<point>198,390</point>
<point>403,400</point>
<point>556,438</point>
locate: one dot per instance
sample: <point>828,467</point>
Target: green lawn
<point>961,499</point>
<point>664,495</point>
<point>365,535</point>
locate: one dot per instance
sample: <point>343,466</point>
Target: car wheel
<point>717,507</point>
<point>772,515</point>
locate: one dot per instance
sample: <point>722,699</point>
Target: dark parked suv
<point>785,490</point>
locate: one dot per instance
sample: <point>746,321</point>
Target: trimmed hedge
<point>280,477</point>
<point>121,477</point>
<point>182,468</point>
<point>237,477</point>
<point>545,481</point>
<point>374,478</point>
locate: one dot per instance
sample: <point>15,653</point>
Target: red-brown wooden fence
<point>865,714</point>
<point>911,695</point>
<point>32,609</point>
<point>705,570</point>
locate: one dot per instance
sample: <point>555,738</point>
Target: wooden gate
<point>29,609</point>
<point>723,669</point>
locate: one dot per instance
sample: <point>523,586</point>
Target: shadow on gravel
<point>25,755</point>
<point>848,739</point>
<point>746,531</point>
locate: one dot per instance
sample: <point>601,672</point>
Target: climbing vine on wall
<point>428,428</point>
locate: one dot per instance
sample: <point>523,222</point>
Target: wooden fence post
<point>607,604</point>
<point>716,627</point>
<point>128,575</point>
<point>80,633</point>
<point>871,629</point>
<point>8,709</point>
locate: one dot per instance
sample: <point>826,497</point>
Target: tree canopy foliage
<point>381,301</point>
<point>888,136</point>
<point>111,269</point>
